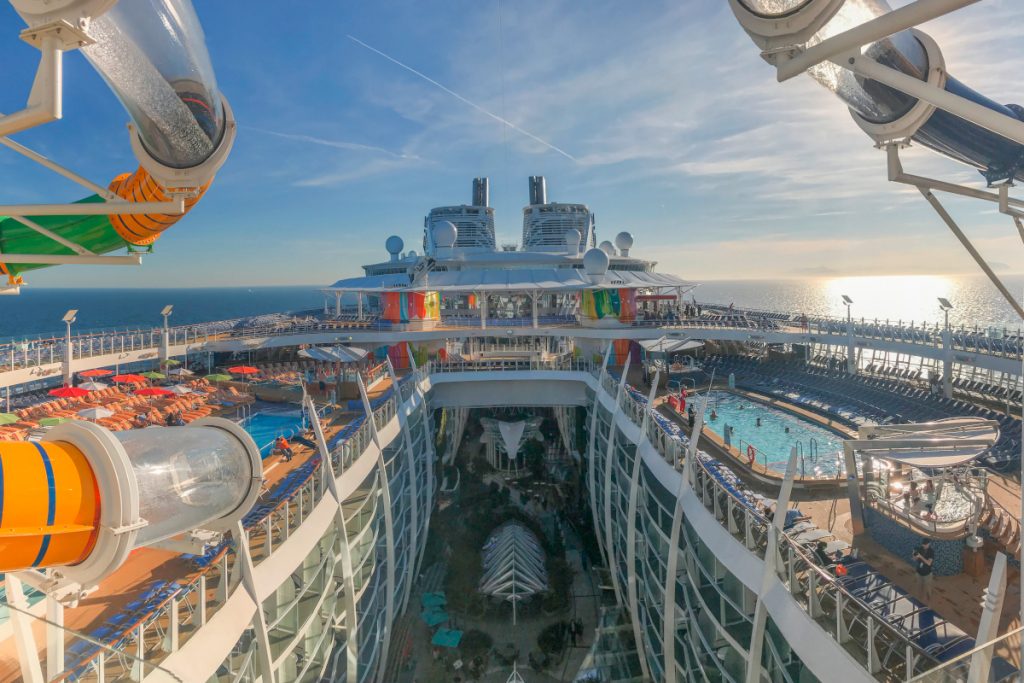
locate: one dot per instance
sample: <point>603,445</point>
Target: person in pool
<point>758,422</point>
<point>714,414</point>
<point>787,430</point>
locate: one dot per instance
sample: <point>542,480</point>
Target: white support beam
<point>174,207</point>
<point>45,99</point>
<point>1012,129</point>
<point>73,259</point>
<point>988,626</point>
<point>24,639</point>
<point>870,31</point>
<point>58,169</point>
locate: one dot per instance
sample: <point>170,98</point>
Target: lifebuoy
<point>751,454</point>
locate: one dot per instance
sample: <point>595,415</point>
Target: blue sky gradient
<point>666,122</point>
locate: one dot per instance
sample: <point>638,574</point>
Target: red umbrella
<point>98,372</point>
<point>69,392</point>
<point>153,391</point>
<point>243,370</point>
<point>132,379</point>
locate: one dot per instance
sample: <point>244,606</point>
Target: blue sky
<point>671,126</point>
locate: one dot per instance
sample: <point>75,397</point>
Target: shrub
<point>552,638</point>
<point>475,643</point>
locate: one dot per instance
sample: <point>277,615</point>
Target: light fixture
<point>69,317</point>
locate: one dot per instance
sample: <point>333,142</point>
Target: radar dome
<point>607,248</point>
<point>595,262</point>
<point>572,241</point>
<point>412,253</point>
<point>445,234</point>
<point>394,245</point>
<point>624,241</point>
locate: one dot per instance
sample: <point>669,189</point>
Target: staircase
<point>1003,528</point>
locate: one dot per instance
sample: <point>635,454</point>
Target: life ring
<point>751,454</point>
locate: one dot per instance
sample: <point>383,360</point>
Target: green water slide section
<point>95,233</point>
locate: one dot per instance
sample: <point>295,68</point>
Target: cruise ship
<point>534,462</point>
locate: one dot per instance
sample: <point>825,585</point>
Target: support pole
<point>988,627</point>
<point>769,574</point>
<point>337,303</point>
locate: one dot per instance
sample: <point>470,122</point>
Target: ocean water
<point>38,311</point>
<point>894,297</point>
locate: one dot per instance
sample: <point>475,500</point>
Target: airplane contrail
<point>462,99</point>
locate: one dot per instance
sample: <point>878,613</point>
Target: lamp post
<point>947,350</point>
<point>166,313</point>
<point>164,352</point>
<point>68,318</point>
<point>851,361</point>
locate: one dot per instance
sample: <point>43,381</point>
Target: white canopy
<point>334,354</point>
<point>669,345</point>
<point>943,443</point>
<point>513,564</point>
<point>509,279</point>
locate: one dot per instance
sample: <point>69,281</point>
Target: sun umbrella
<point>69,392</point>
<point>154,375</point>
<point>219,377</point>
<point>243,370</point>
<point>92,386</point>
<point>170,362</point>
<point>52,421</point>
<point>94,413</point>
<point>179,389</point>
<point>153,391</point>
<point>180,372</point>
<point>97,372</point>
<point>8,418</point>
<point>131,379</point>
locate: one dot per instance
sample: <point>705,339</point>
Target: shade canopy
<point>669,345</point>
<point>491,279</point>
<point>180,372</point>
<point>96,372</point>
<point>433,599</point>
<point>942,443</point>
<point>153,391</point>
<point>243,370</point>
<point>94,413</point>
<point>434,616</point>
<point>128,379</point>
<point>219,377</point>
<point>93,386</point>
<point>53,421</point>
<point>334,354</point>
<point>513,564</point>
<point>8,418</point>
<point>154,375</point>
<point>180,390</point>
<point>446,637</point>
<point>69,392</point>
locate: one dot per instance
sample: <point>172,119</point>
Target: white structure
<point>513,565</point>
<point>474,223</point>
<point>545,224</point>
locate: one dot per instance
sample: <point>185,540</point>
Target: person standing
<point>924,557</point>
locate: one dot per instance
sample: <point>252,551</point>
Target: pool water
<point>265,427</point>
<point>821,448</point>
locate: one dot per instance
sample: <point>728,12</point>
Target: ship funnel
<point>84,497</point>
<point>538,190</point>
<point>793,28</point>
<point>481,192</point>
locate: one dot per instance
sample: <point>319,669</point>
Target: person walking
<point>924,557</point>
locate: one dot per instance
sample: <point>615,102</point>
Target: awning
<point>334,354</point>
<point>433,617</point>
<point>510,279</point>
<point>433,600</point>
<point>446,637</point>
<point>943,443</point>
<point>669,345</point>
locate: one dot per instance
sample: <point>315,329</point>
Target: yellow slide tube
<point>49,505</point>
<point>144,229</point>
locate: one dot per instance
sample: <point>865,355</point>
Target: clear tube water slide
<point>152,54</point>
<point>996,157</point>
<point>68,500</point>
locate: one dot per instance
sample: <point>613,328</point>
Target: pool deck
<point>145,565</point>
<point>957,598</point>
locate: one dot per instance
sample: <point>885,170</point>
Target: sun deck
<point>140,600</point>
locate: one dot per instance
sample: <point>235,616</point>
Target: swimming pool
<point>267,426</point>
<point>778,433</point>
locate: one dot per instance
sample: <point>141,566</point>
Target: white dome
<point>624,241</point>
<point>445,234</point>
<point>394,245</point>
<point>595,262</point>
<point>572,241</point>
<point>607,247</point>
<point>412,253</point>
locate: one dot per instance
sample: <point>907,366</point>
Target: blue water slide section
<point>997,158</point>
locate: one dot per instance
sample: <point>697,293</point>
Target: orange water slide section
<point>49,505</point>
<point>144,229</point>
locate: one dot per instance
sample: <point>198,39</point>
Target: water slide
<point>152,54</point>
<point>785,28</point>
<point>84,497</point>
